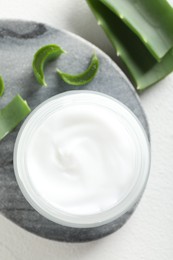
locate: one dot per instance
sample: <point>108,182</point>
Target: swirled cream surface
<point>81,158</point>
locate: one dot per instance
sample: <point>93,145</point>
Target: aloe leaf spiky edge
<point>150,20</point>
<point>143,68</point>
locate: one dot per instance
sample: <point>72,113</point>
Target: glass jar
<point>98,224</point>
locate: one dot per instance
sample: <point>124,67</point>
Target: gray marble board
<point>19,40</point>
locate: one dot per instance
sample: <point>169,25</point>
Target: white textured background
<point>148,235</point>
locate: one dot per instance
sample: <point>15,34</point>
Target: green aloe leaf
<point>150,20</point>
<point>41,57</point>
<point>2,86</point>
<point>84,77</point>
<point>12,115</point>
<point>143,67</point>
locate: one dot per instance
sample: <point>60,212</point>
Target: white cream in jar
<point>81,156</point>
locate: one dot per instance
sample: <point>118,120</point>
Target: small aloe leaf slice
<point>2,86</point>
<point>84,77</point>
<point>150,20</point>
<point>143,68</point>
<point>12,114</point>
<point>41,57</point>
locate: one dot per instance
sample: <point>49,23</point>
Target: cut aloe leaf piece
<point>2,86</point>
<point>144,69</point>
<point>12,115</point>
<point>84,77</point>
<point>41,57</point>
<point>150,20</point>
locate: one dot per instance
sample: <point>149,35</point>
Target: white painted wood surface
<point>149,233</point>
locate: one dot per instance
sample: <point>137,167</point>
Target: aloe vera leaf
<point>41,57</point>
<point>84,77</point>
<point>2,87</point>
<point>150,20</point>
<point>143,68</point>
<point>12,114</point>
